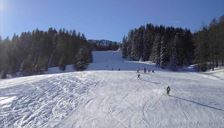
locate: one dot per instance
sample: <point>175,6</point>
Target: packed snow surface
<point>102,98</point>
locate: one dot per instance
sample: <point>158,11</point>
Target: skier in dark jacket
<point>168,90</point>
<point>138,76</point>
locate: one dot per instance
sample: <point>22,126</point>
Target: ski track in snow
<point>38,103</point>
<point>112,99</point>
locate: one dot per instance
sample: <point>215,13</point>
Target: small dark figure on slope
<point>168,90</point>
<point>138,76</point>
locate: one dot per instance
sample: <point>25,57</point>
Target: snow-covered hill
<point>102,98</point>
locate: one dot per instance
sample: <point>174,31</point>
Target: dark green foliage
<point>62,63</point>
<point>155,52</point>
<point>103,45</point>
<point>175,47</point>
<point>201,50</point>
<point>173,61</point>
<point>34,52</point>
<point>209,47</point>
<point>165,46</point>
<point>124,48</point>
<point>82,58</point>
<point>3,75</point>
<point>163,53</point>
<point>27,66</point>
<point>41,65</point>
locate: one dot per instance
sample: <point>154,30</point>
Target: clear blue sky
<point>104,19</point>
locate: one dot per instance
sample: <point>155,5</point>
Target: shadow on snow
<point>191,101</point>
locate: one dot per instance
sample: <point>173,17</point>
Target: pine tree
<point>155,54</point>
<point>173,58</point>
<point>27,68</point>
<point>163,54</point>
<point>202,49</point>
<point>36,51</point>
<point>81,59</point>
<point>62,63</point>
<point>124,47</point>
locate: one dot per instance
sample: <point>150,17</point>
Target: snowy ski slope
<point>102,98</point>
<point>108,60</point>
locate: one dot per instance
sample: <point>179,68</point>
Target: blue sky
<point>104,19</point>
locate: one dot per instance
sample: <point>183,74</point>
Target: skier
<point>168,90</point>
<point>112,69</point>
<point>119,69</point>
<point>138,76</point>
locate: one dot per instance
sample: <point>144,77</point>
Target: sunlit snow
<point>102,98</point>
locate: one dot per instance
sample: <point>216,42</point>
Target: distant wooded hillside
<point>36,51</point>
<point>103,45</point>
<point>171,47</point>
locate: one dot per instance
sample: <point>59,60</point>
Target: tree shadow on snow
<point>191,101</point>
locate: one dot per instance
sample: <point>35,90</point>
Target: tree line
<point>103,45</point>
<point>166,46</point>
<point>34,52</point>
<point>209,43</point>
<point>171,47</point>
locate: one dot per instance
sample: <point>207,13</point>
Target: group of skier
<point>145,70</point>
<point>117,69</point>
